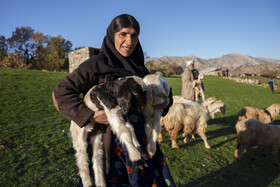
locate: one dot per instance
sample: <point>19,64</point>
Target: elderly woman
<point>120,55</point>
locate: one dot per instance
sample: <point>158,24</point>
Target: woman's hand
<point>99,117</point>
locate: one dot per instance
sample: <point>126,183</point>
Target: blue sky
<point>203,28</point>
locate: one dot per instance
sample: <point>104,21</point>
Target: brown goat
<point>251,132</point>
<point>264,115</point>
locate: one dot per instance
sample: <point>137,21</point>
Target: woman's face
<point>125,41</point>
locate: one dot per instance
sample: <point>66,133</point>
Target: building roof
<point>207,70</point>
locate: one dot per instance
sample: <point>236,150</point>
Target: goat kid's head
<point>223,110</point>
<point>131,94</point>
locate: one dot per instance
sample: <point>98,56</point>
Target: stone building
<point>80,55</point>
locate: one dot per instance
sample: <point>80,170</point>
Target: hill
<point>230,61</point>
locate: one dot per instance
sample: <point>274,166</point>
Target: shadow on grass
<point>276,122</point>
<point>243,172</point>
<point>226,120</point>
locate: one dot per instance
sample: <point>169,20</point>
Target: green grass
<point>36,151</point>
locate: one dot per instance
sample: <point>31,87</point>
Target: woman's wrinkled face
<point>125,41</point>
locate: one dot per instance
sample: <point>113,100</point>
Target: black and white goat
<point>115,98</point>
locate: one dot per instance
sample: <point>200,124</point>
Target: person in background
<point>187,81</point>
<point>272,85</point>
<point>120,55</point>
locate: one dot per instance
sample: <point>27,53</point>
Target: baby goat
<point>115,98</point>
<point>198,90</point>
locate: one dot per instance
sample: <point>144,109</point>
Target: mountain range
<point>233,62</point>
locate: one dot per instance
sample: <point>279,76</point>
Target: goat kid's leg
<point>173,137</point>
<point>204,138</point>
<point>267,152</point>
<point>124,134</point>
<point>202,95</point>
<point>98,161</point>
<point>160,135</point>
<point>186,138</point>
<point>148,128</point>
<point>135,141</point>
<point>275,155</point>
<point>238,151</point>
<point>193,136</point>
<point>156,128</point>
<point>79,139</point>
<point>196,95</point>
<point>250,152</point>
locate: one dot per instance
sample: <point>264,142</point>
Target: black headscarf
<point>110,64</point>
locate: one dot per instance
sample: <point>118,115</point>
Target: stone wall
<point>78,56</point>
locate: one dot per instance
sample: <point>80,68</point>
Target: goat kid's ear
<point>124,98</point>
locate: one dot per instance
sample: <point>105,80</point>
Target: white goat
<point>211,104</point>
<point>158,90</point>
<point>187,119</point>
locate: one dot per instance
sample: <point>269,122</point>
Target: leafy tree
<point>41,53</point>
<point>22,42</point>
<point>13,60</point>
<point>177,70</point>
<point>58,48</point>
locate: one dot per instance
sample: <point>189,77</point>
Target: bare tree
<point>3,47</point>
<point>22,42</point>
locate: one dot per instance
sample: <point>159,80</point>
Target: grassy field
<point>35,149</point>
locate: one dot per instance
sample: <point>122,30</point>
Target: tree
<point>13,60</point>
<point>178,70</point>
<point>22,42</point>
<point>58,48</point>
<point>40,57</point>
<point>3,47</point>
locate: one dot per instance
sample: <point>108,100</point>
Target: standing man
<point>187,81</point>
<point>272,84</point>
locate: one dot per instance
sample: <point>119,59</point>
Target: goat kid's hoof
<point>237,157</point>
<point>141,164</point>
<point>144,155</point>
